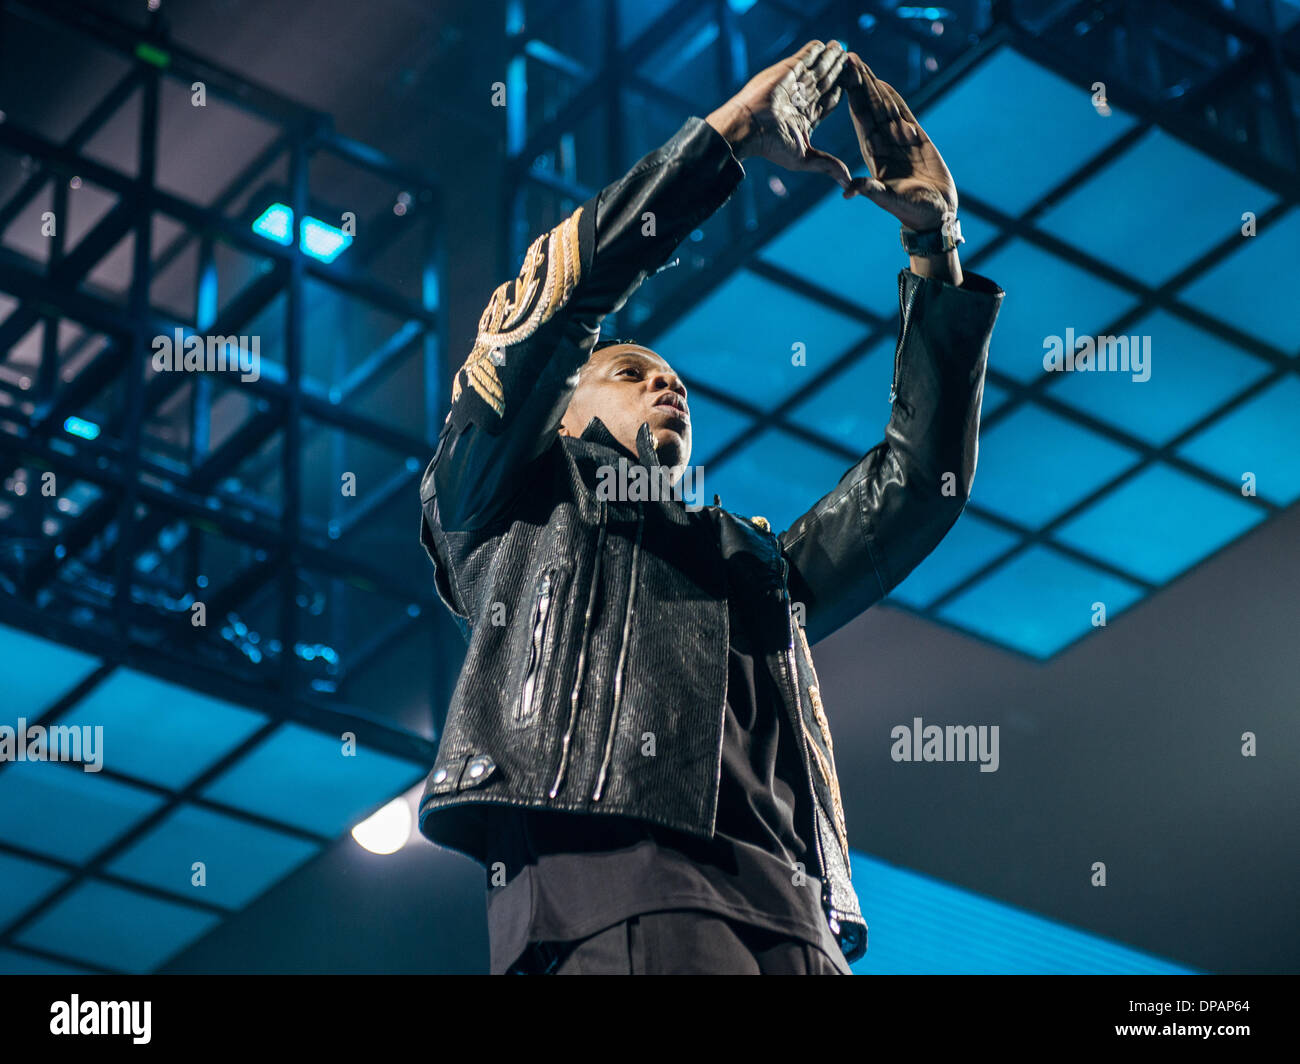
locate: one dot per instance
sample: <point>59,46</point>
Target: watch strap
<point>933,241</point>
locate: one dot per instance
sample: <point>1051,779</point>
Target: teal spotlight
<point>322,241</point>
<point>78,426</point>
<point>275,223</point>
<point>316,238</point>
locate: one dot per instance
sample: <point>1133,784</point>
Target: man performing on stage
<point>636,750</point>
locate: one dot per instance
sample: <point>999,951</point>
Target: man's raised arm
<point>891,509</point>
<point>894,506</point>
<point>538,329</point>
<point>510,395</point>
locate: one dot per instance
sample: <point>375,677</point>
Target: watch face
<point>933,241</point>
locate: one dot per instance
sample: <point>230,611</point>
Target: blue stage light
<point>78,426</point>
<point>275,223</point>
<point>316,238</point>
<point>322,241</point>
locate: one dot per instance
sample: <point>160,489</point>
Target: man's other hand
<point>909,177</point>
<point>774,115</point>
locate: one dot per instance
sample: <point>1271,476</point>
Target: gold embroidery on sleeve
<point>518,308</point>
<point>827,767</point>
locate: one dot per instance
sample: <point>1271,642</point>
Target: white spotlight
<point>388,830</point>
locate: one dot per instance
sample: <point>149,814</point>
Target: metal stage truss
<point>171,489</point>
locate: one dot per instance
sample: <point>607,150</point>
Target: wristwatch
<point>933,241</point>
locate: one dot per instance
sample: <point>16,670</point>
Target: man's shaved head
<point>625,385</point>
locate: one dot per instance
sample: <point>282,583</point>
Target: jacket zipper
<point>622,656</point>
<point>541,617</point>
<point>576,693</point>
<point>902,330</point>
<point>790,669</point>
<point>827,766</point>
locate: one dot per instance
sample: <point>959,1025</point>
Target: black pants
<point>677,942</point>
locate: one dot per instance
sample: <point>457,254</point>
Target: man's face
<point>626,385</point>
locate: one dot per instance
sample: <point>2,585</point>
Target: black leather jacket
<point>593,624</point>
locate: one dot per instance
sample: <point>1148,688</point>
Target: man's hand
<point>774,115</point>
<point>909,178</point>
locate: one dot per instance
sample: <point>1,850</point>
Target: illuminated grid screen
<point>97,863</point>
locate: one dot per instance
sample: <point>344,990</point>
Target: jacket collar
<point>597,432</point>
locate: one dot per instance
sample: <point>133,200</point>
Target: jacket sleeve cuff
<point>716,139</point>
<point>706,154</point>
<point>681,183</point>
<point>957,313</point>
<point>971,282</point>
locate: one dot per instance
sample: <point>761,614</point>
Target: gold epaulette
<point>518,308</point>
